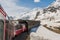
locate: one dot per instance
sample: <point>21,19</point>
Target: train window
<point>18,26</point>
<point>1,29</point>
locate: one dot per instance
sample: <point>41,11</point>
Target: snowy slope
<point>31,14</point>
<point>44,34</point>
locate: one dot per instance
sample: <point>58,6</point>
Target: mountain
<point>31,14</point>
<point>54,7</point>
<point>50,23</point>
<point>48,14</point>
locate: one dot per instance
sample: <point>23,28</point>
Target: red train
<point>9,29</point>
<point>15,27</point>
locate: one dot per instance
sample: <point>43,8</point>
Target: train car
<point>2,23</point>
<point>19,26</point>
<point>24,25</point>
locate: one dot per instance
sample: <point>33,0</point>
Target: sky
<point>19,7</point>
<point>34,4</point>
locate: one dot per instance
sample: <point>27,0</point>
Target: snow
<point>49,16</point>
<point>31,14</point>
<point>47,34</point>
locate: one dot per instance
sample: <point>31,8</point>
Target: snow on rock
<point>31,15</point>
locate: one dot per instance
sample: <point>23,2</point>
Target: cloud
<point>12,9</point>
<point>36,0</point>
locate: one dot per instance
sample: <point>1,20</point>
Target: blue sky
<point>32,4</point>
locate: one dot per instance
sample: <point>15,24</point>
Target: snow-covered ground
<point>44,34</point>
